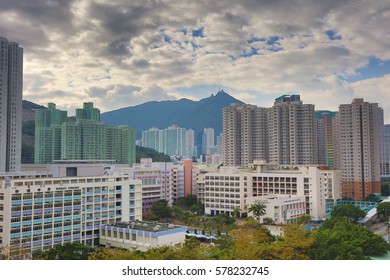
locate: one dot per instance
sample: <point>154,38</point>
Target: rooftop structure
<point>137,235</point>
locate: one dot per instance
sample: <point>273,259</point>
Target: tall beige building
<point>11,84</point>
<point>358,148</point>
<point>292,131</point>
<point>244,134</point>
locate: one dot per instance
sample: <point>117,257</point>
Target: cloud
<point>120,53</point>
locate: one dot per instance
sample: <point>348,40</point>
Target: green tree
<point>371,197</point>
<point>250,243</point>
<point>161,210</point>
<point>383,210</point>
<point>268,221</point>
<point>198,208</point>
<point>186,202</point>
<point>68,251</point>
<point>294,245</point>
<point>237,212</point>
<point>192,249</point>
<point>340,239</point>
<point>258,210</point>
<point>303,220</point>
<point>348,210</point>
<point>116,254</point>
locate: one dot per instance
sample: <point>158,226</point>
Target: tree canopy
<point>68,251</point>
<point>348,210</point>
<point>161,210</point>
<point>383,209</point>
<point>340,239</point>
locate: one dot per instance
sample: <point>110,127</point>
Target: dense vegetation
<point>143,152</point>
<point>338,238</point>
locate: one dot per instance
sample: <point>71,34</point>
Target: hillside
<point>185,113</point>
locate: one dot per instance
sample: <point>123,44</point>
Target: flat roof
<point>146,226</point>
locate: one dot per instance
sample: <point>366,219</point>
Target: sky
<point>121,53</point>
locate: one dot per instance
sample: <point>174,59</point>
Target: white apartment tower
<point>292,132</point>
<point>208,142</point>
<point>11,81</point>
<point>358,148</point>
<point>190,143</point>
<point>244,134</point>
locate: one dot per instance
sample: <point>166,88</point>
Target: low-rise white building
<point>229,188</point>
<point>281,209</point>
<point>136,235</point>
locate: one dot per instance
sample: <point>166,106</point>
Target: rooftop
<point>146,226</point>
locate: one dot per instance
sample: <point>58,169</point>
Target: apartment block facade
<point>86,139</point>
<point>325,137</point>
<point>385,151</point>
<point>292,132</point>
<point>245,135</point>
<point>37,211</point>
<point>11,90</point>
<point>282,134</point>
<point>358,148</point>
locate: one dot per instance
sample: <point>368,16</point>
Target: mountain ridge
<point>186,113</point>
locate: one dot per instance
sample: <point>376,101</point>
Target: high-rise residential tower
<point>48,123</point>
<point>292,131</point>
<point>85,139</point>
<point>244,134</point>
<point>11,83</point>
<point>171,141</point>
<point>190,144</point>
<point>385,151</point>
<point>325,137</point>
<point>88,112</point>
<point>358,148</point>
<point>208,142</point>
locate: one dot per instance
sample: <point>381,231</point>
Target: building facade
<point>325,137</point>
<point>142,236</point>
<point>38,212</point>
<point>208,141</point>
<point>358,148</point>
<point>244,135</point>
<point>228,189</point>
<point>385,151</point>
<point>86,139</point>
<point>171,141</point>
<point>11,90</point>
<point>292,132</point>
<point>281,209</point>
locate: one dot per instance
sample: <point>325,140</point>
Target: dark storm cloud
<point>53,14</point>
<point>120,23</point>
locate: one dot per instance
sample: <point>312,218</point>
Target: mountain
<point>28,130</point>
<point>28,110</point>
<point>189,114</point>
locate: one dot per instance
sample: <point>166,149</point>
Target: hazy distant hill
<point>185,113</point>
<point>28,130</point>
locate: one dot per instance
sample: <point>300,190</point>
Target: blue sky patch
<point>198,32</point>
<point>273,40</point>
<point>255,39</point>
<point>373,69</point>
<point>252,52</point>
<point>332,35</point>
